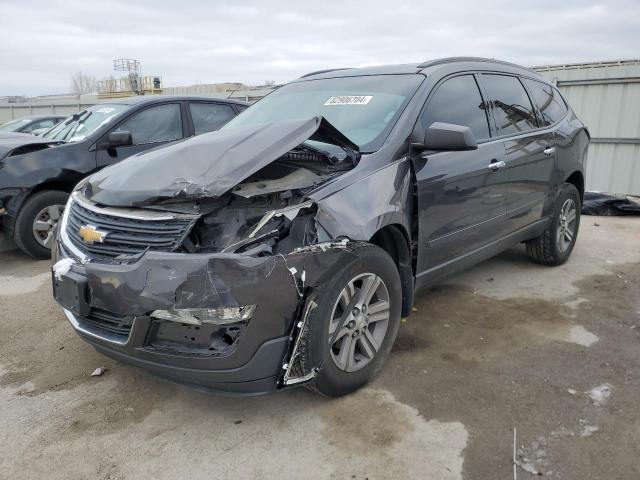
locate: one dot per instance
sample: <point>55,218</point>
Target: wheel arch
<point>16,203</point>
<point>577,179</point>
<point>394,239</point>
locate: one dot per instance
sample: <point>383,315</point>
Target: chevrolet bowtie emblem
<point>91,234</point>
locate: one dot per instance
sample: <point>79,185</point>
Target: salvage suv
<point>37,173</point>
<point>284,248</point>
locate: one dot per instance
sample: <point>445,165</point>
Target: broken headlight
<point>198,316</point>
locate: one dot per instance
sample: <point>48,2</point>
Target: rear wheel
<point>37,221</point>
<point>352,329</point>
<point>556,243</point>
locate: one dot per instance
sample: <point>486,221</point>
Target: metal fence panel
<point>614,167</point>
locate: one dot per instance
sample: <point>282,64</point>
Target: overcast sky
<point>188,42</point>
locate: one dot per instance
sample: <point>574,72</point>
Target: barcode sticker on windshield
<point>349,100</point>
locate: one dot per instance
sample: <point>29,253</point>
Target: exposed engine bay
<point>267,213</point>
<point>246,188</point>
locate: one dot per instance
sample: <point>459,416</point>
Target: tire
<point>315,350</point>
<point>547,249</point>
<point>24,235</point>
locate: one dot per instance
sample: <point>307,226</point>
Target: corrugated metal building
<point>606,97</point>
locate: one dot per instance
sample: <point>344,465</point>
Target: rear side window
<point>156,124</point>
<point>208,117</point>
<point>512,108</point>
<point>458,101</point>
<point>549,102</point>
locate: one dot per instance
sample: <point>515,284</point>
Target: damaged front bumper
<point>112,305</point>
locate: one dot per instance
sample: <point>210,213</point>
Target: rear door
<point>529,149</point>
<point>150,127</point>
<point>208,116</point>
<point>461,199</point>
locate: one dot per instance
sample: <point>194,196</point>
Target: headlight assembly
<point>198,316</point>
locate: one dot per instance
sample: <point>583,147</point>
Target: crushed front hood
<point>208,165</point>
<point>9,141</point>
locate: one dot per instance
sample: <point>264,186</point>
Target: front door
<point>151,127</point>
<point>461,194</point>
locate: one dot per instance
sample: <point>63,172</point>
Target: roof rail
<point>440,61</point>
<point>318,72</point>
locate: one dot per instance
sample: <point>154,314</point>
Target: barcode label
<point>349,100</point>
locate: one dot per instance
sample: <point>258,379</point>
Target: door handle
<point>496,165</point>
<point>549,150</point>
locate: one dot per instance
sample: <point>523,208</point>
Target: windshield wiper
<point>79,122</point>
<point>76,117</point>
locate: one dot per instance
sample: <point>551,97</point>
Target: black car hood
<point>208,165</point>
<point>10,141</point>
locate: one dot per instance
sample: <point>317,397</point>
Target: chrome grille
<point>124,234</point>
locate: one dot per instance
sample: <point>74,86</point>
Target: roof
<point>569,66</point>
<point>409,68</point>
<point>355,72</point>
<point>139,99</point>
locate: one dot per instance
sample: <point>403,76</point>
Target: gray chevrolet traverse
<point>284,248</point>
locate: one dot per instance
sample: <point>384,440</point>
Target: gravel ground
<point>550,352</point>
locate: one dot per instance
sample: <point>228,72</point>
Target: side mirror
<point>447,136</point>
<point>118,139</point>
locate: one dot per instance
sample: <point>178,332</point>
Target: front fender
<point>369,204</point>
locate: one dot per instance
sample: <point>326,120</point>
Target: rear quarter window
<point>208,117</point>
<point>550,104</point>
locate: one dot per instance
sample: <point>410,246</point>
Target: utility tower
<point>132,67</point>
<point>131,84</point>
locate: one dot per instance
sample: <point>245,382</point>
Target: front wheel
<point>556,243</point>
<point>350,332</point>
<point>37,221</point>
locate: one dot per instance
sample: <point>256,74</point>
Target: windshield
<point>362,108</point>
<point>14,125</point>
<point>79,125</point>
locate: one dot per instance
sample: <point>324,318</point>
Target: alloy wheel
<point>359,322</point>
<point>44,225</point>
<point>566,225</point>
